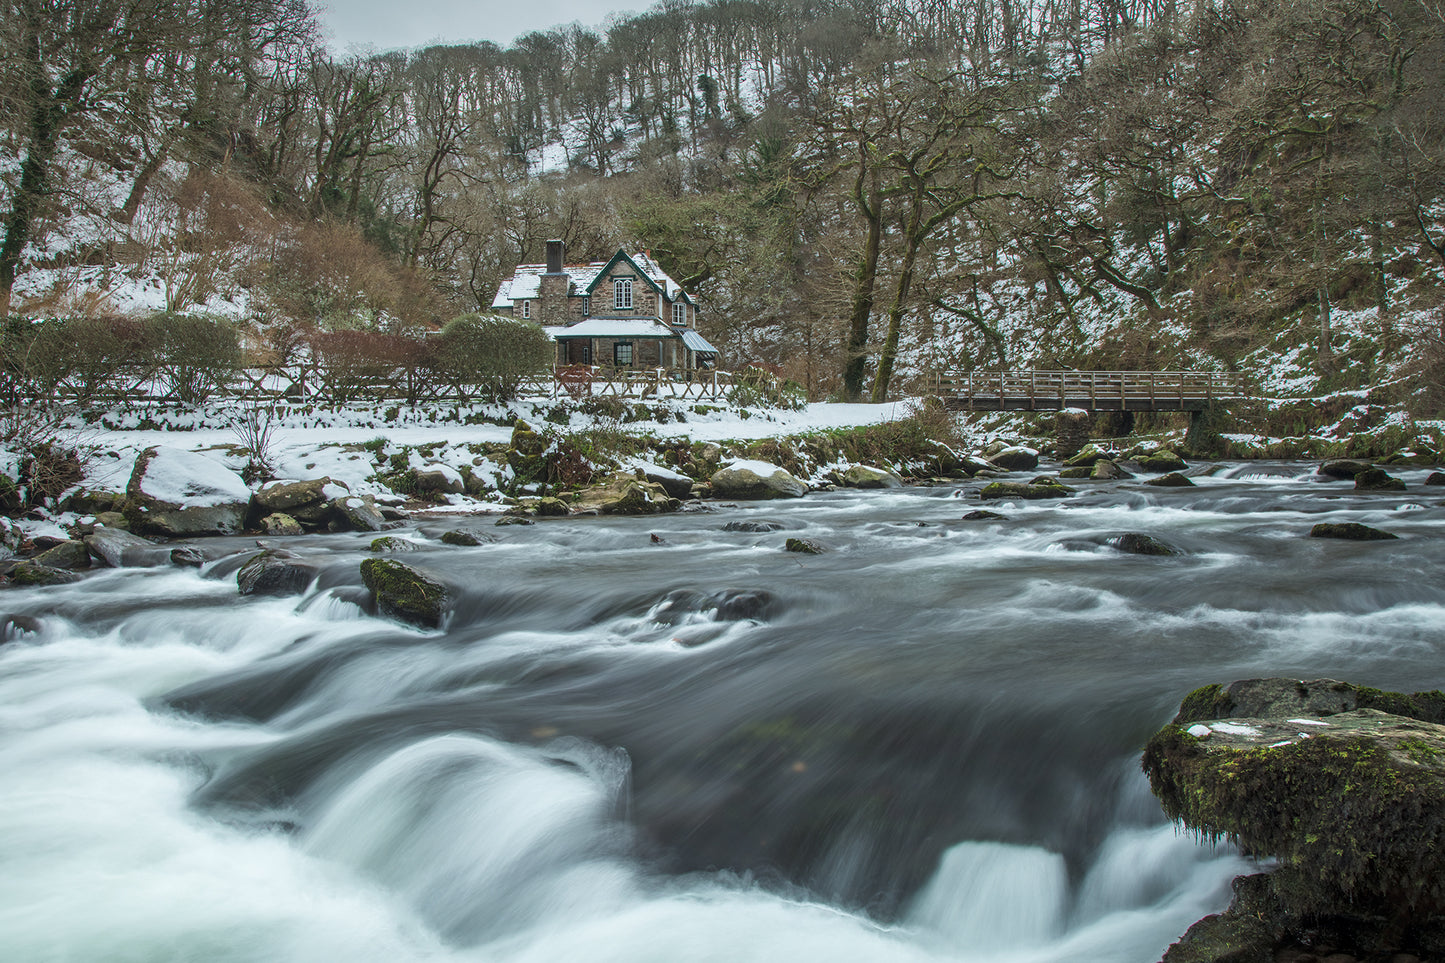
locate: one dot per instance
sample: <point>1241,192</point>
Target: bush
<point>490,353</point>
<point>194,356</point>
<point>759,388</point>
<point>351,362</point>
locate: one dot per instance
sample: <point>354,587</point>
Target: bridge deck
<point>1090,390</point>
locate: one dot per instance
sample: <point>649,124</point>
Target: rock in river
<point>1031,491</point>
<point>404,593</point>
<point>754,480</point>
<point>1350,531</point>
<point>1377,480</point>
<point>274,573</point>
<point>1349,798</point>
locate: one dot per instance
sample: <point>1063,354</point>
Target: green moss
<point>402,592</point>
<point>1425,706</point>
<point>1205,702</point>
<point>1352,824</point>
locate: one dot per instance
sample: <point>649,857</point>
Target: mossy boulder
<point>1343,784</point>
<point>1246,932</point>
<point>623,493</point>
<point>982,515</point>
<point>70,555</point>
<point>1171,480</point>
<point>1133,543</point>
<point>1352,806</point>
<point>866,476</point>
<point>280,523</point>
<point>1030,491</point>
<point>401,592</point>
<point>1435,478</point>
<point>1162,460</point>
<point>1090,454</point>
<point>306,501</point>
<point>33,573</point>
<point>392,545</point>
<point>118,548</point>
<point>181,493</point>
<point>1377,480</point>
<point>1350,531</point>
<point>356,513</point>
<point>464,539</point>
<point>1106,470</point>
<point>1078,471</point>
<point>803,546</point>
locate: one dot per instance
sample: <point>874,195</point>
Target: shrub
<point>351,362</point>
<point>194,356</point>
<point>490,353</point>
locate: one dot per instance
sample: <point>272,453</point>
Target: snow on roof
<point>697,342</point>
<point>526,280</point>
<point>616,328</point>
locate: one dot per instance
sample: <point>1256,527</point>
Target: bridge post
<point>1071,430</point>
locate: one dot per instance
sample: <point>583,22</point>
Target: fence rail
<point>1090,390</point>
<point>316,383</point>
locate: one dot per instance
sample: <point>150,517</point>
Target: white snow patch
<point>192,480</point>
<point>1234,729</point>
<point>1307,722</point>
<point>1199,731</point>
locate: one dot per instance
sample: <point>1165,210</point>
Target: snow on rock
<point>187,479</point>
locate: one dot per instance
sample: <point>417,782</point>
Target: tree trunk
<point>856,363</point>
<point>1325,355</point>
<point>895,321</point>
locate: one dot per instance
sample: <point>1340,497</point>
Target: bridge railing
<point>1089,389</point>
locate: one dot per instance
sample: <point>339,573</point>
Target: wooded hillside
<point>860,192</point>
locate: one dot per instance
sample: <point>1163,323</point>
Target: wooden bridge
<point>1089,390</point>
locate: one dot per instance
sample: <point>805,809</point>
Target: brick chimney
<point>553,288</point>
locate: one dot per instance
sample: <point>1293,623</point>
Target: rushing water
<point>921,745</point>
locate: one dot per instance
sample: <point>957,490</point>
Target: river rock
<point>1016,459</point>
<point>1352,805</point>
<point>463,539</point>
<point>1106,470</point>
<point>755,480</point>
<point>120,549</point>
<point>1078,471</point>
<point>180,493</point>
<point>112,520</point>
<point>513,520</point>
<point>1319,698</point>
<point>1377,480</point>
<point>866,476</point>
<point>356,513</point>
<point>1133,543</point>
<point>803,546</point>
<point>392,545</point>
<point>274,573</point>
<point>279,523</point>
<point>32,573</point>
<point>760,527</point>
<point>70,555</point>
<point>1162,460</point>
<point>550,507</point>
<point>306,501</point>
<point>1171,480</point>
<point>1350,531</point>
<point>188,556</point>
<point>676,485</point>
<point>401,592</point>
<point>1435,478</point>
<point>1030,491</point>
<point>1090,454</point>
<point>439,480</point>
<point>981,515</point>
<point>623,493</point>
<point>1343,468</point>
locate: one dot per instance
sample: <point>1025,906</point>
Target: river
<point>920,745</point>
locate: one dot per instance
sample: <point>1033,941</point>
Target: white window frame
<point>617,348</point>
<point>622,294</point>
<point>526,309</point>
<point>586,306</point>
<point>679,314</point>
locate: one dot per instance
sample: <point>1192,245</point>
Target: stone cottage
<point>621,313</point>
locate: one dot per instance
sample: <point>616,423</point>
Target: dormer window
<point>622,294</point>
<point>679,314</point>
<point>526,309</point>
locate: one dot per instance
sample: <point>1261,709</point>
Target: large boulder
<point>439,479</point>
<point>1344,785</point>
<point>181,493</point>
<point>755,480</point>
<point>1172,480</point>
<point>623,493</point>
<point>1090,454</point>
<point>120,549</point>
<point>1135,543</point>
<point>866,476</point>
<point>1016,459</point>
<point>28,572</point>
<point>1343,468</point>
<point>306,501</point>
<point>1377,480</point>
<point>676,484</point>
<point>1031,491</point>
<point>274,573</point>
<point>401,592</point>
<point>1106,470</point>
<point>356,513</point>
<point>1350,531</point>
<point>70,555</point>
<point>1162,460</point>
